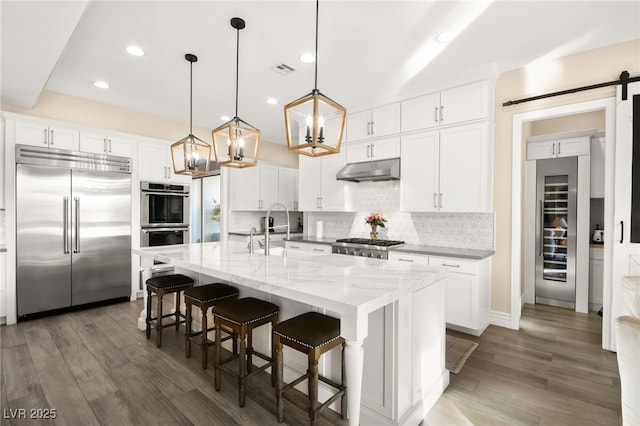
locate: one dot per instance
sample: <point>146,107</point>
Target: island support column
<point>354,360</point>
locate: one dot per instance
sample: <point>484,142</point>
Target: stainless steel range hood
<point>371,171</point>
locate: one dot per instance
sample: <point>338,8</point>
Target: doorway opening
<point>206,209</point>
<point>519,293</point>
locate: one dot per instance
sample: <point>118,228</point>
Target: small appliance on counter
<point>262,224</point>
<point>598,235</point>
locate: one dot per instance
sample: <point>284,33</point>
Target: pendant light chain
<point>190,97</point>
<point>237,65</point>
<point>316,76</point>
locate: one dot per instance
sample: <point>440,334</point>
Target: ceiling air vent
<point>283,69</point>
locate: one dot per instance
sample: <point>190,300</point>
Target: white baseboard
<point>501,319</point>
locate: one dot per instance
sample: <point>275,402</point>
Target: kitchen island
<point>397,307</point>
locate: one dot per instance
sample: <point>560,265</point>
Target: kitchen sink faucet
<point>266,226</point>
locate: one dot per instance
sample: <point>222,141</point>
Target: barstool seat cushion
<point>210,293</point>
<point>311,329</point>
<point>170,282</point>
<point>245,311</point>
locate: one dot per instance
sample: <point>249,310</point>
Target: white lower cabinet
<point>298,246</point>
<point>467,293</point>
<point>404,371</point>
<point>596,278</point>
<point>467,289</point>
<point>395,256</point>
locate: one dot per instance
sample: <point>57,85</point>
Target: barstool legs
<point>148,314</point>
<point>277,347</point>
<point>313,388</point>
<point>189,320</point>
<point>216,365</point>
<point>242,364</point>
<point>159,320</point>
<point>343,382</point>
<point>204,346</point>
<point>177,311</point>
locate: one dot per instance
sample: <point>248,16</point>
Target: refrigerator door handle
<point>76,248</point>
<point>541,228</point>
<point>65,226</point>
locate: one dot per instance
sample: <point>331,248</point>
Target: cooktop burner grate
<point>380,243</point>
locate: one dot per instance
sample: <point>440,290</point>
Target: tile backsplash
<point>460,230</point>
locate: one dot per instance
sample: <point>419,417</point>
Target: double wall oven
<point>164,214</point>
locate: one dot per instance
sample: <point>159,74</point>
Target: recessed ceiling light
<point>445,36</point>
<point>307,58</point>
<point>134,50</point>
<point>225,118</point>
<point>101,84</point>
<point>272,101</point>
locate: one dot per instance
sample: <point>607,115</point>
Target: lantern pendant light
<point>314,123</point>
<point>191,156</point>
<point>236,143</point>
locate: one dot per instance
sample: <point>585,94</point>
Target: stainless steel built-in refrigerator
<point>73,234</point>
<point>556,192</point>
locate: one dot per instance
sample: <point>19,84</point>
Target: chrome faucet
<point>252,232</point>
<point>266,226</point>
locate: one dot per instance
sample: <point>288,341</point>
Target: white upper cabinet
<point>452,106</point>
<point>465,169</point>
<point>287,188</point>
<point>447,170</point>
<point>597,166</point>
<point>244,186</point>
<point>101,143</point>
<point>258,188</point>
<point>41,133</point>
<point>269,176</point>
<point>375,123</point>
<point>318,188</point>
<point>420,172</point>
<point>568,147</point>
<point>154,162</point>
<point>379,149</point>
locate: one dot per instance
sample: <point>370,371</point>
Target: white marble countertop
<point>348,285</point>
<point>275,232</point>
<point>444,251</point>
<point>416,248</point>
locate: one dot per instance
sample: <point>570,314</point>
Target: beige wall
<point>586,121</point>
<point>88,113</point>
<point>595,66</point>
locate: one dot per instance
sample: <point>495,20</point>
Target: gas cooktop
<point>366,241</point>
<point>364,247</point>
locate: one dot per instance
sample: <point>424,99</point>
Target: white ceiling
<point>368,50</point>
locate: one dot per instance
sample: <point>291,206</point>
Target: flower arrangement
<point>375,219</point>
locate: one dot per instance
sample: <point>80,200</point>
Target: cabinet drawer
<point>310,247</point>
<point>420,259</point>
<point>455,265</point>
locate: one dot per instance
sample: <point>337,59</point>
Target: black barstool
<point>161,285</point>
<point>314,334</point>
<point>241,316</point>
<point>204,297</point>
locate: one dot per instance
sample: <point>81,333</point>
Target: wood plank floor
<point>552,371</point>
<point>95,367</point>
